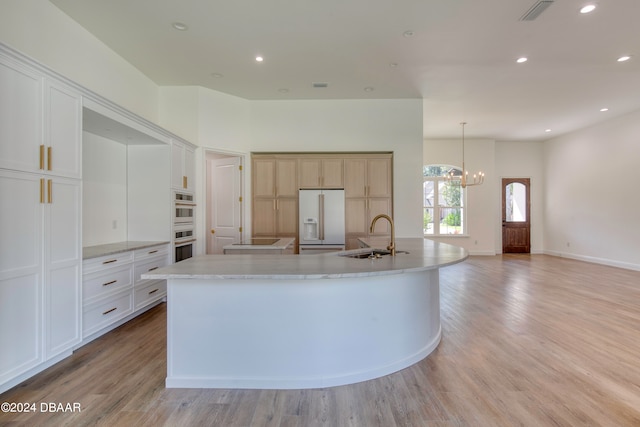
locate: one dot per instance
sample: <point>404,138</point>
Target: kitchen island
<point>277,322</point>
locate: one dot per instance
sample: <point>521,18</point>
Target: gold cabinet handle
<point>109,283</point>
<point>50,191</point>
<point>42,157</point>
<point>110,261</point>
<point>49,150</point>
<point>184,182</point>
<point>41,190</point>
<point>153,268</point>
<point>153,252</point>
<point>152,292</point>
<point>109,311</point>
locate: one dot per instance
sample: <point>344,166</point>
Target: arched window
<point>443,201</point>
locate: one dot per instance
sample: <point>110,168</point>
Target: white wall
<point>592,205</point>
<point>40,30</point>
<point>483,212</point>
<point>104,190</point>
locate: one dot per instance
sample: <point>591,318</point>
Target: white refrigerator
<point>321,227</point>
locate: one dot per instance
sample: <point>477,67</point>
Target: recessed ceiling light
<point>393,64</point>
<point>180,26</point>
<point>259,58</point>
<point>624,58</point>
<point>604,109</point>
<point>547,130</point>
<point>283,90</point>
<point>588,8</point>
<point>217,75</point>
<point>369,89</point>
<point>521,60</point>
<point>408,33</point>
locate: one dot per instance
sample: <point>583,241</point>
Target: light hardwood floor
<point>527,341</point>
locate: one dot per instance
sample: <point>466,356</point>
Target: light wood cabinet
<point>368,192</point>
<point>366,177</point>
<point>321,173</point>
<point>274,177</point>
<point>275,196</point>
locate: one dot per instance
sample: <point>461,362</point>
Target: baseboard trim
<point>595,260</point>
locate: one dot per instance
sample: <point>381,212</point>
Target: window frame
<point>438,207</point>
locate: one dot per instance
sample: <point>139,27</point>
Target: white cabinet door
<point>177,164</point>
<point>20,117</point>
<point>182,166</point>
<point>63,257</point>
<point>20,273</point>
<point>189,168</point>
<point>40,130</point>
<point>41,257</point>
<point>63,130</point>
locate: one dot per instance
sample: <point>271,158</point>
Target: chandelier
<point>464,178</point>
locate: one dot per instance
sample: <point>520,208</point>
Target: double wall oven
<point>183,226</point>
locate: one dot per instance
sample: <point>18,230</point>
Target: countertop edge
<point>432,255</point>
<point>96,251</point>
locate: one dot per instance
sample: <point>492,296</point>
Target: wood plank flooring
<point>528,340</point>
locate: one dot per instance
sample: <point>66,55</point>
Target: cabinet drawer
<point>107,261</point>
<point>106,312</point>
<point>102,283</point>
<point>150,265</point>
<point>152,252</point>
<point>150,292</point>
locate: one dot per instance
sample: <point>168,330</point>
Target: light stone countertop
<point>423,255</point>
<point>280,244</point>
<point>96,251</point>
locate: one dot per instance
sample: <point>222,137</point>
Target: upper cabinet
<point>317,172</point>
<point>275,195</point>
<point>368,177</point>
<point>182,166</point>
<point>63,130</point>
<point>275,176</point>
<point>40,123</point>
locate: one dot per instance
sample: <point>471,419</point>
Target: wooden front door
<point>516,215</point>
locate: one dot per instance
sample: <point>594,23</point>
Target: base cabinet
<point>113,290</point>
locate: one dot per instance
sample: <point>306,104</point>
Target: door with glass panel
<point>516,215</point>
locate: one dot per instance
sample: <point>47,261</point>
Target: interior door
<point>224,207</point>
<point>516,215</point>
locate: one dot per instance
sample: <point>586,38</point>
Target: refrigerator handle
<point>321,217</point>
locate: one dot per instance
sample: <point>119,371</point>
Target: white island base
<point>286,321</point>
<point>309,333</point>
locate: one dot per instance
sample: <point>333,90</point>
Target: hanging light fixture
<point>464,178</point>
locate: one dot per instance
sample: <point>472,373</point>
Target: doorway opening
<point>223,193</point>
<point>516,215</point>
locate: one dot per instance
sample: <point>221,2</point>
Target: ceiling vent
<point>321,85</point>
<point>536,10</point>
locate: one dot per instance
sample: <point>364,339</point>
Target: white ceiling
<point>461,58</point>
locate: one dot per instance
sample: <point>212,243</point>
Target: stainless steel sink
<point>372,254</point>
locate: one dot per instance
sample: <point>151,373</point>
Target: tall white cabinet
<point>41,245</point>
<point>47,123</point>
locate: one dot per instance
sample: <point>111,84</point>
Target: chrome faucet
<point>392,245</point>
